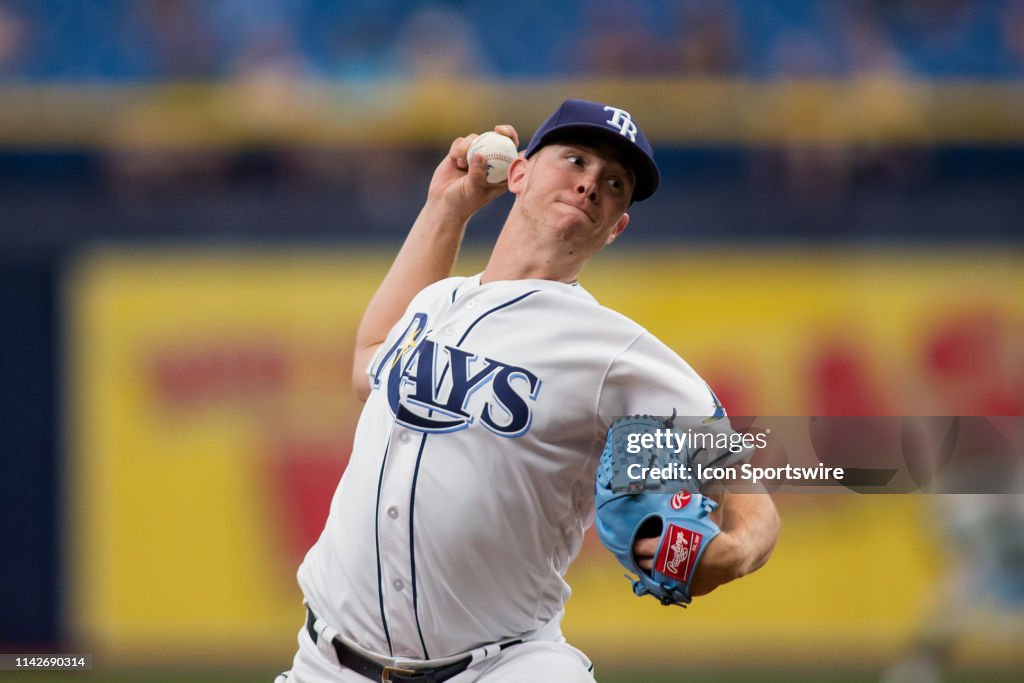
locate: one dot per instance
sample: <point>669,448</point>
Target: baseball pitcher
<point>489,402</point>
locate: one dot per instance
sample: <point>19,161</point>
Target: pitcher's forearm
<point>752,520</point>
<point>427,256</point>
<point>458,189</point>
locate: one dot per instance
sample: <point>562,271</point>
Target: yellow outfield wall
<point>209,416</point>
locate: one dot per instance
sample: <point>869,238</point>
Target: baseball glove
<point>628,507</point>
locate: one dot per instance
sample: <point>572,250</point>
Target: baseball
<point>499,152</point>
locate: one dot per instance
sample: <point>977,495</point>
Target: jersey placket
<point>396,578</point>
<point>396,526</point>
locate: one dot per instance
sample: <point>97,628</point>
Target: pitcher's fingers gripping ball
<point>498,151</point>
<point>625,513</point>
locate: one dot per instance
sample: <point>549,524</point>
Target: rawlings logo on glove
<point>674,559</point>
<point>626,512</point>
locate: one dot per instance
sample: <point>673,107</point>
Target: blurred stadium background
<point>197,199</point>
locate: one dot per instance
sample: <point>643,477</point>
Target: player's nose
<point>587,187</point>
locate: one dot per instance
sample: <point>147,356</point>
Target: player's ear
<point>619,227</point>
<point>517,175</point>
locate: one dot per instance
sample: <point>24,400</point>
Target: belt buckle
<point>385,674</point>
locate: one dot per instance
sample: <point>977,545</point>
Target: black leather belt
<point>350,659</point>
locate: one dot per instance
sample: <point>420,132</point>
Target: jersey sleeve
<point>649,378</point>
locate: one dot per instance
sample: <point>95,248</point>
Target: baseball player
<point>976,515</point>
<point>488,400</point>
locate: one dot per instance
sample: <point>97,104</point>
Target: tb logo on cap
<point>622,120</point>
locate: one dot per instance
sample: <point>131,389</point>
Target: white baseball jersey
<point>471,479</point>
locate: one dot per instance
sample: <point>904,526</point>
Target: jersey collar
<point>574,288</point>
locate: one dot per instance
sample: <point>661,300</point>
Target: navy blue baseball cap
<point>581,120</point>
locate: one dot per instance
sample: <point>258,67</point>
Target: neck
<point>521,254</point>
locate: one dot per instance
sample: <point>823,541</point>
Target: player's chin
<point>576,227</point>
<point>570,231</point>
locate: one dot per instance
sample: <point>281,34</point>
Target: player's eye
<point>575,159</point>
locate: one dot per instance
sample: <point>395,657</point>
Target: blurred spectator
<point>875,63</point>
<point>270,53</point>
<point>358,50</point>
<point>707,41</point>
<point>238,23</point>
<point>272,73</point>
<point>812,172</point>
<point>982,590</point>
<point>13,38</point>
<point>438,42</point>
<point>868,49</point>
<point>154,39</point>
<point>173,37</point>
<point>1013,37</point>
<point>616,39</point>
<point>804,53</point>
<point>948,37</point>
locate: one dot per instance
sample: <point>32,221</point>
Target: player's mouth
<point>579,208</point>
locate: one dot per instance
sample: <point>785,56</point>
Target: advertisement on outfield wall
<point>210,415</point>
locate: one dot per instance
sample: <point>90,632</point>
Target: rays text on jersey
<point>429,386</point>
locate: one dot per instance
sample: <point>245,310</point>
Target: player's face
<point>577,193</point>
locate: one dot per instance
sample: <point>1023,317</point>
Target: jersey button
<point>393,512</point>
<point>404,437</point>
<point>470,304</point>
<point>398,584</point>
